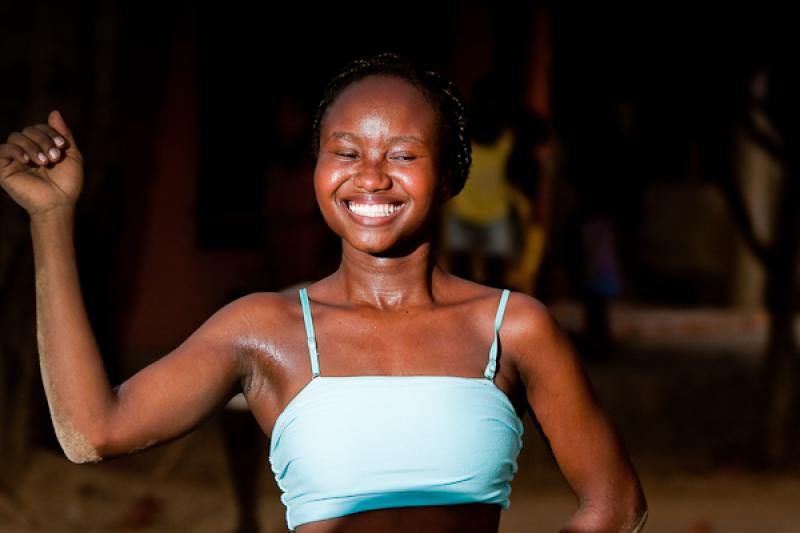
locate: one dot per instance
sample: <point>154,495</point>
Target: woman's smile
<point>372,210</point>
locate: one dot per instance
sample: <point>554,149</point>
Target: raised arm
<point>164,400</point>
<point>584,443</point>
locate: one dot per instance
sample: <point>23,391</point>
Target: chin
<point>372,248</point>
<point>399,248</point>
<point>385,243</point>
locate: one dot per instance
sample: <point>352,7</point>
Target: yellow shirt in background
<point>485,196</point>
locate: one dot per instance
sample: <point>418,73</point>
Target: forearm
<point>78,391</point>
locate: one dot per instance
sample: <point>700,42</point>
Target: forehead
<point>382,98</point>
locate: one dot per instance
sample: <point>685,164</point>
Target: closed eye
<point>347,155</point>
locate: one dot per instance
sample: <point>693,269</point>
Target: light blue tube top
<point>347,444</point>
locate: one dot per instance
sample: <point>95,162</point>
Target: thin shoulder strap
<point>312,340</point>
<point>491,368</point>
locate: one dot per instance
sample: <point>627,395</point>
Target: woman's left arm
<point>584,443</point>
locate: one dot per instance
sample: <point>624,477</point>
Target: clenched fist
<point>41,167</point>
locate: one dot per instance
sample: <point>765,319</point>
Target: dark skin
<point>387,310</point>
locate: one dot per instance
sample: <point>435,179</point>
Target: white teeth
<point>372,210</point>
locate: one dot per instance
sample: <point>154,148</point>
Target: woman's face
<point>376,177</point>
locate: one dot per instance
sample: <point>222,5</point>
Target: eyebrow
<point>354,138</point>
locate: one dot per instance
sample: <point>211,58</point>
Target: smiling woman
<point>377,178</point>
<point>398,406</point>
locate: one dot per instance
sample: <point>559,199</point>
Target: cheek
<point>325,185</point>
<point>326,181</point>
<point>424,182</point>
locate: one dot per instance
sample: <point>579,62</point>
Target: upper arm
<point>583,440</point>
<point>175,393</point>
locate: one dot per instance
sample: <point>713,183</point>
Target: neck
<point>388,282</point>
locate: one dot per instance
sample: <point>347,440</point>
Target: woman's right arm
<point>91,419</point>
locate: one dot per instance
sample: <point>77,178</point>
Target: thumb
<point>56,121</point>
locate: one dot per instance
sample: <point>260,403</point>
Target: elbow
<point>80,456</point>
<point>82,450</point>
<point>78,447</point>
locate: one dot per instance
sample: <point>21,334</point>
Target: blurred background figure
<point>478,230</point>
<point>528,195</point>
<point>601,282</point>
<point>492,229</point>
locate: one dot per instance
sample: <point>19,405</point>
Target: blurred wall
<point>178,284</point>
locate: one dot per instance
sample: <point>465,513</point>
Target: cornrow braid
<point>455,146</point>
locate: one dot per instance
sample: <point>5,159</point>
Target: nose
<point>371,176</point>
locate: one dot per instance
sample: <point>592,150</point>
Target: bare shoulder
<point>457,290</point>
<point>255,319</point>
<point>263,303</point>
<point>259,313</point>
<point>253,329</point>
<point>533,338</point>
<point>527,318</point>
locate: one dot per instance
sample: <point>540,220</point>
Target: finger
<point>54,141</point>
<point>45,142</point>
<point>56,120</point>
<point>37,157</point>
<point>58,139</point>
<point>12,152</point>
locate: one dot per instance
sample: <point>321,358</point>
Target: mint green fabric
<point>347,444</point>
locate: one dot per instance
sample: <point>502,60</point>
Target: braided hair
<point>455,148</point>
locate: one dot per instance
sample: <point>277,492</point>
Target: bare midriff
<point>464,518</point>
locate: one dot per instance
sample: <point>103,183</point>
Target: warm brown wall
<point>177,284</point>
